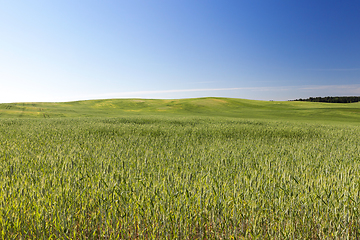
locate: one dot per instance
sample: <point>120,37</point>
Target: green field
<point>208,168</point>
<point>226,107</point>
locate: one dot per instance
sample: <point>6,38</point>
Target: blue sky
<point>280,50</point>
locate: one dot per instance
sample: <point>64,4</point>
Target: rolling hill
<point>224,107</point>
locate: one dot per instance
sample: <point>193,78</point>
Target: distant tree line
<point>331,99</point>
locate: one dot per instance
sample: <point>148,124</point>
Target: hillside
<point>225,107</point>
<point>172,169</point>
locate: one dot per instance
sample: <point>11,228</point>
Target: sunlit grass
<point>227,107</point>
<point>141,177</point>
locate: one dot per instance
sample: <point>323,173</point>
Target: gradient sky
<point>76,50</point>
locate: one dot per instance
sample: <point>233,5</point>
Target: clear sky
<point>64,50</point>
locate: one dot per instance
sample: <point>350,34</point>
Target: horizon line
<point>355,90</point>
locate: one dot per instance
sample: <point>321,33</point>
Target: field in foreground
<point>178,177</point>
